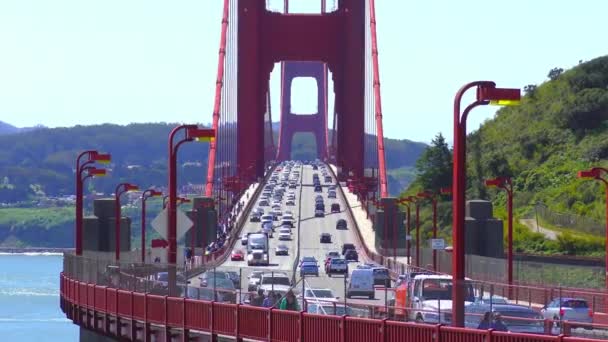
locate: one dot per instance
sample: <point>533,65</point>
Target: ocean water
<point>29,299</point>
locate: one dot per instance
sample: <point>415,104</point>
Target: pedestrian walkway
<point>362,222</point>
<point>531,223</point>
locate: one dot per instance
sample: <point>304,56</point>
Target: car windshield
<point>337,261</point>
<point>221,283</point>
<point>319,293</point>
<point>575,304</point>
<point>442,289</point>
<point>517,317</point>
<point>330,310</point>
<point>163,276</point>
<point>275,281</point>
<point>380,272</point>
<point>219,275</point>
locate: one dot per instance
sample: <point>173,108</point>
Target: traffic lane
<point>310,244</point>
<point>311,229</point>
<point>278,262</point>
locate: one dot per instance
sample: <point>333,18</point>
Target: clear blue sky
<point>68,62</point>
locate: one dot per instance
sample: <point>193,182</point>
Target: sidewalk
<point>364,224</point>
<point>531,223</point>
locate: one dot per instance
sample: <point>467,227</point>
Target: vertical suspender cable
<point>216,105</point>
<point>378,103</point>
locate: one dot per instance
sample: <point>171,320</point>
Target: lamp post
<point>190,133</point>
<point>406,202</point>
<point>416,202</point>
<point>596,173</point>
<point>486,93</point>
<point>120,189</point>
<point>179,200</point>
<point>430,195</point>
<point>506,184</point>
<point>91,156</point>
<point>144,196</point>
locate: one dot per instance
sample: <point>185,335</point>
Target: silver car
<point>570,309</point>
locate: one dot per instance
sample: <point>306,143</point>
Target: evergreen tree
<point>435,165</point>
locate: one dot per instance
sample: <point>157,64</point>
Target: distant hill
<point>6,128</point>
<point>43,161</point>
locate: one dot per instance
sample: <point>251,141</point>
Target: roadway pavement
<point>311,229</point>
<point>307,230</point>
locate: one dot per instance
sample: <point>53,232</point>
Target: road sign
<point>184,223</point>
<point>408,237</point>
<point>160,224</point>
<point>437,243</point>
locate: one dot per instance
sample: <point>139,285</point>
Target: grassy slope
<point>560,129</point>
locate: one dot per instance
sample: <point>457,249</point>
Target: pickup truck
<point>430,297</point>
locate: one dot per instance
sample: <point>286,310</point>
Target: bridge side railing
<point>79,299</point>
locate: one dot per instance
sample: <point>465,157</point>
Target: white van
<point>361,283</point>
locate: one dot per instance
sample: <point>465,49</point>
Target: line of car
<point>284,179</point>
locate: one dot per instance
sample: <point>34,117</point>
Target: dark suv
<point>341,224</point>
<point>351,254</point>
<point>325,238</point>
<point>335,208</point>
<point>346,247</point>
<point>381,276</point>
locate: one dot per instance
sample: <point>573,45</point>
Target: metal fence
<point>567,220</point>
<point>220,284</point>
<point>524,272</point>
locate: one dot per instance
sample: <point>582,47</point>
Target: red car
<point>237,255</point>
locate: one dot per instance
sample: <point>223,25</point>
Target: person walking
<point>289,302</point>
<point>270,300</point>
<point>484,324</point>
<point>497,324</point>
<point>258,299</point>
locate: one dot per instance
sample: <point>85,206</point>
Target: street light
<point>144,196</point>
<point>179,200</point>
<point>92,156</point>
<point>416,202</point>
<point>406,202</point>
<point>120,189</point>
<point>596,173</point>
<point>506,184</point>
<point>427,194</point>
<point>487,93</point>
<point>191,133</point>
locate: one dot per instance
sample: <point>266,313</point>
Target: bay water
<point>29,299</point>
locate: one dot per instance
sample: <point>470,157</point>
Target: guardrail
<point>129,315</point>
<point>220,256</point>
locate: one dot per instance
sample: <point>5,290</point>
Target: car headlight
<point>265,256</point>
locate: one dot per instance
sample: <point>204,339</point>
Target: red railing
<point>175,314</point>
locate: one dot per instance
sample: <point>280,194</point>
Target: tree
<point>554,73</point>
<point>530,90</point>
<point>435,165</point>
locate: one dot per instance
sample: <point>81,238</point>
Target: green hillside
<point>37,164</point>
<point>560,127</point>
